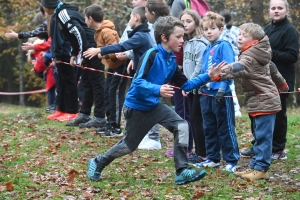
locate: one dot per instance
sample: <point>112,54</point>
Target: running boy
<point>262,98</point>
<point>217,111</point>
<point>142,108</point>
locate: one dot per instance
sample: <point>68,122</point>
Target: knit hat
<point>50,3</point>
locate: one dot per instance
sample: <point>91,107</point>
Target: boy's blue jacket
<point>157,67</point>
<point>139,41</point>
<point>219,51</point>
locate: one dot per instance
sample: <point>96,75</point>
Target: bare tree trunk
<point>87,3</point>
<point>21,100</point>
<point>257,13</point>
<point>296,22</point>
<point>297,83</point>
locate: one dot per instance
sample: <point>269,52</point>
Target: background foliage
<point>18,15</point>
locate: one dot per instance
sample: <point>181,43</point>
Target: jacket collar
<point>215,43</point>
<point>140,28</point>
<point>58,7</point>
<point>164,52</point>
<point>285,20</point>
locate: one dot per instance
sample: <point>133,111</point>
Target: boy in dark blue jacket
<point>139,38</point>
<point>142,108</point>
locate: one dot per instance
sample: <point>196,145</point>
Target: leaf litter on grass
<point>49,161</point>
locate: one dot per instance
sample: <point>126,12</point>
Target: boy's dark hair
<point>42,9</point>
<point>159,7</point>
<point>227,17</point>
<point>38,19</point>
<point>140,10</point>
<point>165,26</point>
<point>95,11</point>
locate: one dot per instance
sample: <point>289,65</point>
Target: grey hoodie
<point>192,58</point>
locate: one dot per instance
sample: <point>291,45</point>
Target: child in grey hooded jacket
<point>193,49</point>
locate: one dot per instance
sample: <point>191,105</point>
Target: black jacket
<point>60,47</point>
<point>74,28</point>
<point>39,31</point>
<point>285,48</point>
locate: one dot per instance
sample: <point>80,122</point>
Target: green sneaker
<point>189,175</point>
<point>94,171</point>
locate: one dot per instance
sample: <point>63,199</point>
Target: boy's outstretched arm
<point>240,69</point>
<point>212,75</point>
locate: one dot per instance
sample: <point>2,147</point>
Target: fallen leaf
<point>169,190</point>
<point>72,175</point>
<point>5,147</point>
<point>88,195</point>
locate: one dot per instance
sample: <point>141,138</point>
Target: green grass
<point>37,155</point>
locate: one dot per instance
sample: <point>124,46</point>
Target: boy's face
<point>49,11</point>
<point>88,21</point>
<point>175,41</point>
<point>137,3</point>
<point>132,21</point>
<point>211,32</point>
<point>244,39</point>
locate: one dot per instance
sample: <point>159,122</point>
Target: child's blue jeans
<point>263,127</point>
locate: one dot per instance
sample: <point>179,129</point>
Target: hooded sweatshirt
<point>106,35</point>
<point>219,51</point>
<point>192,58</point>
<point>74,28</point>
<point>139,41</point>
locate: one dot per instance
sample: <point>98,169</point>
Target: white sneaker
<point>238,113</point>
<point>207,163</point>
<point>230,168</point>
<point>149,144</point>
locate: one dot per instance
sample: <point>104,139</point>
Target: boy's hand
<point>91,52</point>
<point>42,55</point>
<point>80,64</point>
<point>219,96</point>
<point>130,67</point>
<point>225,67</point>
<point>184,93</point>
<point>27,46</point>
<point>11,34</point>
<point>216,71</point>
<point>73,61</point>
<point>33,62</point>
<point>166,91</point>
<point>121,56</point>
